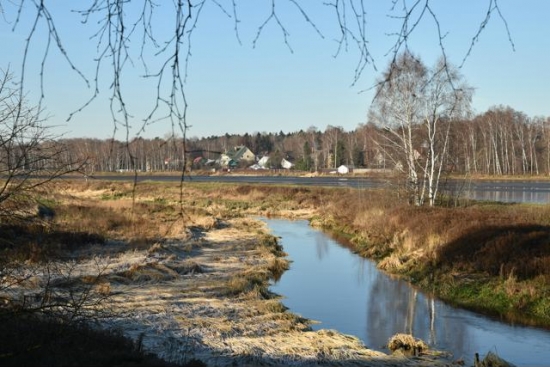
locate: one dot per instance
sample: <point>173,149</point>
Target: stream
<point>340,290</point>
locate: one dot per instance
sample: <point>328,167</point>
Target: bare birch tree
<point>447,98</point>
<point>398,110</point>
<point>416,106</point>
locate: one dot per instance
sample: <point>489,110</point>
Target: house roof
<point>263,161</point>
<point>238,152</point>
<point>286,164</point>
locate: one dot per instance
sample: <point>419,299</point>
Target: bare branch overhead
<point>126,35</point>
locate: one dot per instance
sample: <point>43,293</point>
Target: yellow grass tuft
<point>407,344</point>
<point>390,263</point>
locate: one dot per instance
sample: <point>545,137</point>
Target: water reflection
<point>511,196</point>
<point>328,283</point>
<point>321,245</point>
<point>393,306</point>
<point>531,191</point>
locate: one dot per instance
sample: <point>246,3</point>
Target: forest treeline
<point>500,141</point>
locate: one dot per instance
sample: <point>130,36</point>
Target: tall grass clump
<point>271,244</point>
<point>252,282</point>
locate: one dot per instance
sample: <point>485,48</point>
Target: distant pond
<point>342,291</point>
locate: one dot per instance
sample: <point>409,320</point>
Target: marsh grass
<point>277,266</point>
<point>33,243</point>
<point>253,281</point>
<point>271,244</point>
<point>521,250</point>
<point>153,272</point>
<point>190,267</point>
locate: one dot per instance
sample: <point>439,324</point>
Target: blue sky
<point>235,88</point>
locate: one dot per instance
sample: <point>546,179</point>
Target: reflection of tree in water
<point>394,307</point>
<point>321,244</point>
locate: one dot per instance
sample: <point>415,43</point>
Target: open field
<point>186,280</point>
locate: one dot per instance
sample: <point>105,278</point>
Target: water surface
<point>516,191</point>
<point>328,283</point>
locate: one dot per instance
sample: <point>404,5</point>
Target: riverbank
<point>492,258</point>
<point>183,274</point>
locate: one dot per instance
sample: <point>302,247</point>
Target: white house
<point>286,164</point>
<point>263,161</point>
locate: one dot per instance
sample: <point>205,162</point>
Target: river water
<point>511,191</point>
<point>342,291</point>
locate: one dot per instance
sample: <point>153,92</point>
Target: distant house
<point>242,153</point>
<point>263,162</point>
<point>234,156</point>
<point>286,164</point>
<point>224,160</point>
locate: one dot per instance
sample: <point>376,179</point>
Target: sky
<point>235,86</point>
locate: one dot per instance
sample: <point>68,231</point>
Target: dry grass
<point>407,344</point>
<point>485,238</point>
<point>191,285</point>
<point>390,263</point>
<point>523,250</point>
